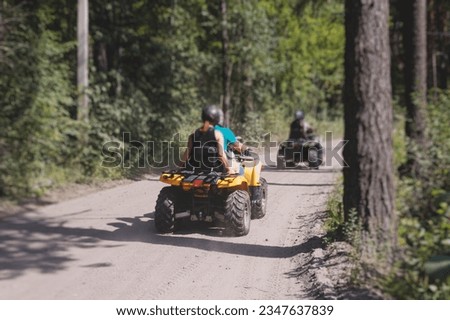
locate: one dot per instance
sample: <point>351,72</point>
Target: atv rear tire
<point>165,210</point>
<point>259,207</point>
<point>238,213</point>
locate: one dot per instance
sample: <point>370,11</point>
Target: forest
<point>153,65</point>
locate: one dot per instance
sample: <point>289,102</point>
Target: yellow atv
<point>209,196</point>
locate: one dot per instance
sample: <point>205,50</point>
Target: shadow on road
<point>30,243</point>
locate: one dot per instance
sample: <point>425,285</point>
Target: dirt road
<point>104,246</point>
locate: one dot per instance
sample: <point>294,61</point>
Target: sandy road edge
<point>330,268</point>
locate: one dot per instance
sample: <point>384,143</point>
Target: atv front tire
<point>315,155</point>
<point>281,163</point>
<point>259,206</point>
<point>165,210</point>
<point>238,213</point>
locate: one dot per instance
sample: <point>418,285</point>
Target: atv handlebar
<point>248,155</point>
<point>245,158</point>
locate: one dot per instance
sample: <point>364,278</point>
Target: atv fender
<point>252,173</point>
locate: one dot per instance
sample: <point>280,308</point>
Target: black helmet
<point>299,115</point>
<point>212,114</point>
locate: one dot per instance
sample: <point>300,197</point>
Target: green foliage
<point>334,224</point>
<point>36,96</point>
<point>399,142</point>
<point>424,228</point>
<point>423,268</point>
<point>321,127</point>
<point>311,49</point>
<point>154,64</point>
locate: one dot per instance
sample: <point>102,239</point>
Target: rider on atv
<point>206,145</point>
<point>300,129</point>
<point>208,189</point>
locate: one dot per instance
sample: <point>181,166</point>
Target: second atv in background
<point>301,147</point>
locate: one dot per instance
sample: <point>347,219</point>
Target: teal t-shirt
<point>228,136</point>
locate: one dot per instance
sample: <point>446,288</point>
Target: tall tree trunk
<point>2,28</point>
<point>442,15</point>
<point>226,64</point>
<point>431,45</point>
<point>438,43</point>
<point>100,56</point>
<point>83,59</point>
<point>368,179</point>
<point>415,48</point>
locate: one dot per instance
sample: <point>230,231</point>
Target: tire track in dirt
<point>178,276</point>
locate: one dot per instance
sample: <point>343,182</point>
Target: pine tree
<point>368,179</point>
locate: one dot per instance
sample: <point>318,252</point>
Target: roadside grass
<point>334,224</point>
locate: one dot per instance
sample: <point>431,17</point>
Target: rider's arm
<point>235,143</point>
<point>308,128</point>
<point>222,157</point>
<point>186,153</point>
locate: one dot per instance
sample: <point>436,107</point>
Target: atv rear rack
<point>211,177</point>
